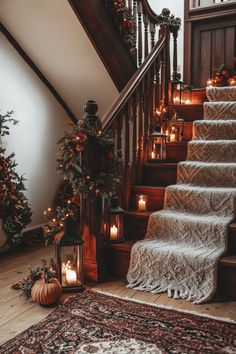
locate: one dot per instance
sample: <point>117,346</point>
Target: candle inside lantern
<point>172,138</point>
<point>153,155</point>
<point>176,99</point>
<point>71,277</point>
<point>113,232</point>
<point>232,82</point>
<point>209,83</point>
<point>141,203</point>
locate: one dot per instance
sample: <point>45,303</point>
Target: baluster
<point>157,83</point>
<point>145,22</point>
<point>134,139</point>
<point>130,4</point>
<point>119,155</point>
<point>167,68</point>
<point>163,71</point>
<point>151,97</point>
<point>146,95</point>
<point>140,34</point>
<point>152,29</point>
<point>175,35</point>
<point>140,132</point>
<point>127,181</point>
<point>135,33</point>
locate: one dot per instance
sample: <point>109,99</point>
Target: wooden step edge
<point>228,261</point>
<point>232,226</point>
<point>123,246</point>
<point>144,187</point>
<point>139,214</point>
<point>161,164</point>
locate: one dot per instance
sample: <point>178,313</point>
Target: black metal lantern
<point>157,145</point>
<point>177,88</point>
<point>113,226</point>
<point>69,256</point>
<point>174,129</point>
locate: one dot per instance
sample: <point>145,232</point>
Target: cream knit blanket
<point>185,240</point>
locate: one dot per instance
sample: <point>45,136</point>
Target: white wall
<point>41,123</point>
<point>176,7</point>
<point>52,36</point>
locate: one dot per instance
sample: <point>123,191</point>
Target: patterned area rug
<point>186,239</point>
<point>98,323</point>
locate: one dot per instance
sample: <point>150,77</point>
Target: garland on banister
<point>125,21</point>
<point>87,159</point>
<point>165,19</point>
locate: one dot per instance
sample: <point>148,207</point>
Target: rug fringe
<point>223,319</point>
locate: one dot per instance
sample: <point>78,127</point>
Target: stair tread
<point>232,226</point>
<point>161,164</point>
<point>229,261</point>
<point>147,187</point>
<point>141,214</point>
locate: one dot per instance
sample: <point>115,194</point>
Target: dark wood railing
<point>131,119</point>
<point>132,115</point>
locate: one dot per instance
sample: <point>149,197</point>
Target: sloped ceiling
<point>52,36</point>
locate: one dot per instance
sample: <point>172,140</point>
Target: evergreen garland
<point>14,209</point>
<point>125,21</point>
<point>89,173</point>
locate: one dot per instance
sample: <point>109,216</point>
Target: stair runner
<point>185,240</point>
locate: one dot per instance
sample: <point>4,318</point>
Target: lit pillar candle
<point>153,155</point>
<point>71,277</point>
<point>232,82</point>
<point>142,204</point>
<point>113,232</point>
<point>187,102</point>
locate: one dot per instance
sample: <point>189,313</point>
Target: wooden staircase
<point>155,177</point>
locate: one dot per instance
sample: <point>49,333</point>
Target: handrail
<point>149,10</point>
<point>130,87</point>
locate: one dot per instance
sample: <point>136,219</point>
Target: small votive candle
<point>172,138</point>
<point>232,82</point>
<point>176,99</point>
<point>187,102</point>
<point>209,83</point>
<point>113,232</point>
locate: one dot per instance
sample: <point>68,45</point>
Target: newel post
<point>91,206</point>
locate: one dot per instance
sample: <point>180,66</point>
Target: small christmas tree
<point>14,210</point>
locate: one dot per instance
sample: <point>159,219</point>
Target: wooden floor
<point>17,314</point>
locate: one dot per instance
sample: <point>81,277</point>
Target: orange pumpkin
<point>46,293</point>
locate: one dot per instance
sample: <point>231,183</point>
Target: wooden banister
<point>133,82</point>
<point>151,14</point>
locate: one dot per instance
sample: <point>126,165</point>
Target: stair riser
<point>155,176</point>
<point>134,228</point>
<point>232,242</point>
<point>176,152</point>
<point>119,265</point>
<point>188,112</point>
<point>137,227</point>
<point>155,198</point>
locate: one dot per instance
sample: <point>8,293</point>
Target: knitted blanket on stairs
<point>185,240</point>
